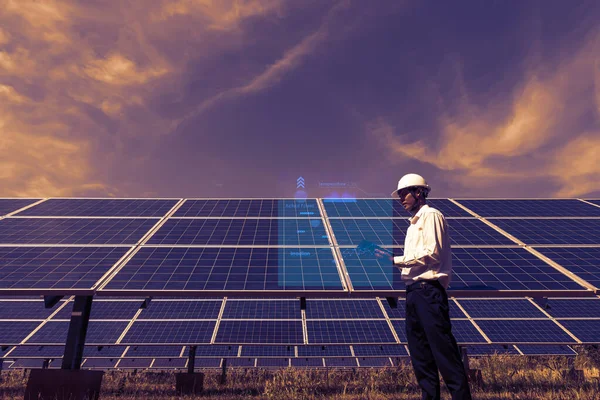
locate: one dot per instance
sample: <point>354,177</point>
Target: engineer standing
<point>426,270</point>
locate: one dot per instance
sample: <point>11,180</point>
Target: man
<point>426,270</point>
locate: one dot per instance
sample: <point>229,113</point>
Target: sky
<point>233,98</point>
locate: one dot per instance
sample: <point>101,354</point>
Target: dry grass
<point>505,377</point>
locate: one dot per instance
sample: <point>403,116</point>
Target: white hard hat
<point>411,180</point>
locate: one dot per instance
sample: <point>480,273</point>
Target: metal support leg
<point>191,359</point>
<point>224,372</point>
<point>77,331</point>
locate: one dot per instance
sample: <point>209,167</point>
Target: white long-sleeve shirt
<point>427,253</point>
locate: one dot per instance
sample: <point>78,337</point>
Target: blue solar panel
<point>375,362</point>
<point>28,309</point>
<point>15,332</point>
<point>128,363</point>
<point>546,350</point>
<point>573,308</point>
<point>582,261</point>
<point>215,350</point>
<point>55,267</point>
<point>349,332</point>
<point>262,309</point>
<point>552,231</point>
<point>272,362</point>
<point>389,350</point>
<point>268,351</point>
<point>524,331</point>
<point>102,309</point>
<point>391,232</point>
<point>495,308</point>
<point>400,311</point>
<point>103,351</point>
<point>30,363</point>
<point>155,351</point>
<point>202,309</point>
<point>74,230</point>
<point>472,269</point>
<point>100,363</point>
<point>170,332</point>
<point>531,208</point>
<point>307,362</point>
<point>271,332</point>
<point>98,333</point>
<point>10,205</point>
<point>59,351</point>
<point>248,232</point>
<point>341,362</point>
<point>100,208</point>
<point>324,351</point>
<point>168,363</point>
<point>586,330</point>
<point>208,362</point>
<point>264,208</point>
<point>229,269</point>
<point>490,349</point>
<point>463,331</point>
<point>336,309</point>
<point>384,208</point>
<point>595,201</point>
<point>241,362</point>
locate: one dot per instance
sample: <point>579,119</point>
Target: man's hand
<point>381,254</point>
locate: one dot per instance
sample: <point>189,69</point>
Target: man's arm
<point>434,228</point>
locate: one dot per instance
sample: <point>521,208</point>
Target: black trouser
<point>431,343</point>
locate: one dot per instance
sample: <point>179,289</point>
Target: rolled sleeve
<point>429,254</point>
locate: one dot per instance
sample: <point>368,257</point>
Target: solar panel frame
<point>586,330</point>
<point>257,208</point>
<point>552,231</point>
<point>262,309</point>
<point>14,332</point>
<point>245,332</point>
<point>583,261</point>
<point>98,333</point>
<point>24,309</point>
<point>343,309</point>
<point>529,207</point>
<point>349,332</point>
<point>171,332</point>
<point>100,207</point>
<point>524,331</point>
<point>10,205</point>
<point>179,309</point>
<point>573,308</point>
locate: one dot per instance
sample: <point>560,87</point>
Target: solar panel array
<point>285,247</point>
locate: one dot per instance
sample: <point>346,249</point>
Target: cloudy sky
<point>234,98</point>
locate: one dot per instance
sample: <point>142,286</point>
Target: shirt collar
<point>413,220</point>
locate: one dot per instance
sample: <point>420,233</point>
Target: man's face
<point>408,200</point>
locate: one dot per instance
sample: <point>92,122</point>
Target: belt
<point>422,283</point>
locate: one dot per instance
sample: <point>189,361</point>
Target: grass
<point>504,377</point>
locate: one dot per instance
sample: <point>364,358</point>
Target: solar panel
<point>490,349</point>
<point>582,261</point>
<point>268,351</point>
<point>262,309</point>
<point>375,362</point>
<point>14,332</point>
<point>524,331</point>
<point>546,350</point>
<point>102,309</point>
<point>169,332</point>
<point>336,309</point>
<point>324,351</point>
<point>28,309</point>
<point>58,351</point>
<point>531,208</point>
<point>228,269</point>
<point>241,362</point>
<point>202,309</point>
<point>552,231</point>
<point>216,350</point>
<point>264,208</point>
<point>30,363</point>
<point>267,332</point>
<point>463,331</point>
<point>10,205</point>
<point>208,362</point>
<point>74,230</point>
<point>497,308</point>
<point>389,350</point>
<point>473,269</point>
<point>98,333</point>
<point>586,330</point>
<point>128,363</point>
<point>100,208</point>
<point>573,308</point>
<point>168,363</point>
<point>341,362</point>
<point>100,363</point>
<point>391,232</point>
<point>154,351</point>
<point>273,362</point>
<point>247,232</point>
<point>595,201</point>
<point>307,362</point>
<point>349,332</point>
<point>55,267</point>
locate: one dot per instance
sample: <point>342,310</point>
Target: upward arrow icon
<point>300,183</point>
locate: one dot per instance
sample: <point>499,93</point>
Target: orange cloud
<point>480,146</point>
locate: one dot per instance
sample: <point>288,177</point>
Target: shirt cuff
<point>399,260</point>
